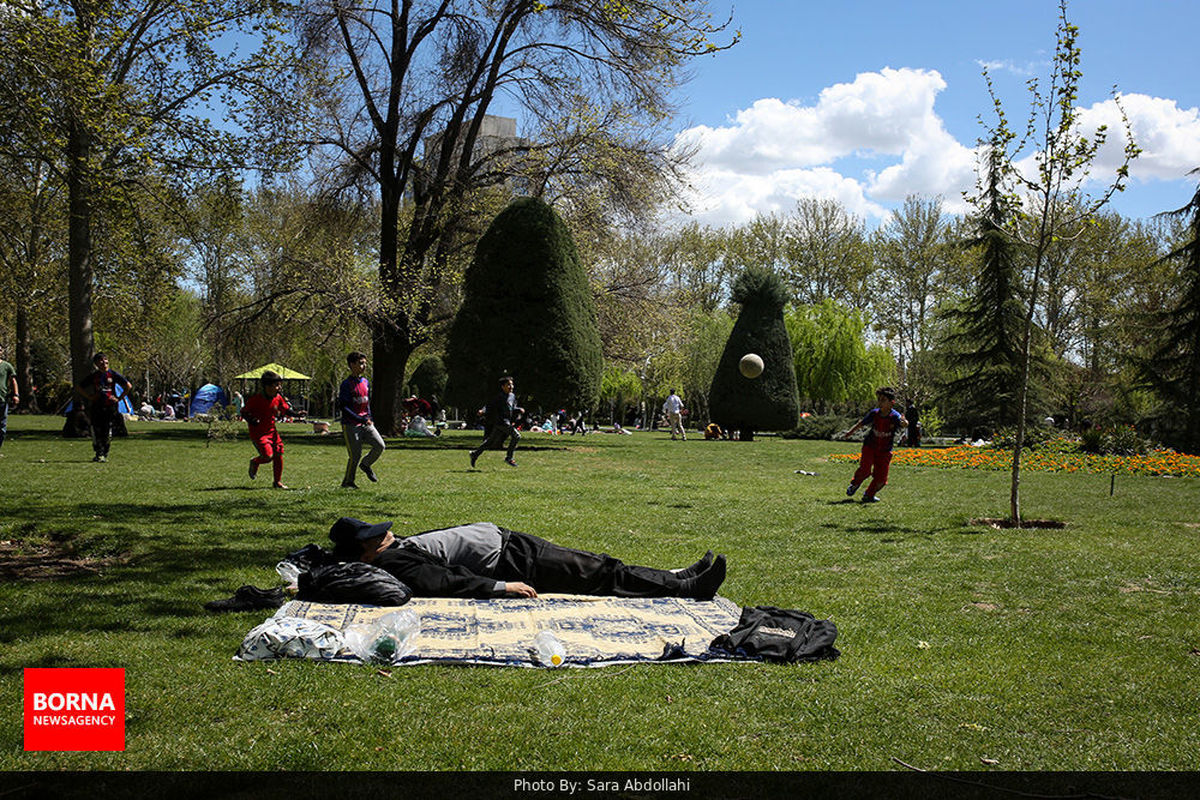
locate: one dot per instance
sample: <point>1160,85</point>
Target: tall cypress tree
<point>985,340</point>
<point>527,311</point>
<point>768,402</point>
<point>1174,368</point>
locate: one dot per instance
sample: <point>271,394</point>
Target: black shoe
<point>474,456</point>
<point>510,462</point>
<point>349,485</point>
<point>695,569</point>
<point>705,585</point>
<point>370,473</point>
<point>249,598</point>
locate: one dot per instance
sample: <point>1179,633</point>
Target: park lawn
<point>1061,649</point>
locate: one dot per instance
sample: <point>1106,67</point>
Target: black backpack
<point>780,634</point>
<point>353,582</point>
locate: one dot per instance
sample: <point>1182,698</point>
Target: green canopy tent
<point>295,384</point>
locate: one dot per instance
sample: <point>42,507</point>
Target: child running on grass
<point>260,412</point>
<point>885,421</point>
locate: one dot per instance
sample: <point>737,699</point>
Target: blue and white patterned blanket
<point>595,631</point>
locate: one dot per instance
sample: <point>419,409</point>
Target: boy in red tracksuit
<point>260,412</point>
<point>885,422</point>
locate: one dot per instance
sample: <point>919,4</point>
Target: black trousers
<point>102,417</point>
<point>496,436</point>
<point>548,567</point>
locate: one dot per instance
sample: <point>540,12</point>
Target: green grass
<point>1041,649</point>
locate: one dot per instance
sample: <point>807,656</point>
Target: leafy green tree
<point>124,86</point>
<point>32,260</point>
<point>827,253</point>
<point>1173,370</point>
<point>594,79</point>
<point>619,387</point>
<point>768,402</point>
<point>702,343</point>
<point>833,362</point>
<point>527,311</point>
<point>912,250</point>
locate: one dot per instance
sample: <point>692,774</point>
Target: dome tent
<point>205,398</point>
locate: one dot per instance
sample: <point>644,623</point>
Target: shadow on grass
<point>170,566</point>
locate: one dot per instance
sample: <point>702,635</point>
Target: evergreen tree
<point>768,402</point>
<point>528,312</point>
<point>1174,368</point>
<point>984,343</point>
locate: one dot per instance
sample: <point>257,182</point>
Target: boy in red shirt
<point>260,412</point>
<point>885,421</point>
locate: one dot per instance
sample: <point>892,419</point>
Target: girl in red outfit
<point>885,422</point>
<point>260,412</point>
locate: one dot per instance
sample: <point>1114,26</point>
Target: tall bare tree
<point>592,82</point>
<point>1053,196</point>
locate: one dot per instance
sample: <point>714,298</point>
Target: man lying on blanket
<point>485,560</point>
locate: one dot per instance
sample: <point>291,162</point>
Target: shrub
<point>825,426</point>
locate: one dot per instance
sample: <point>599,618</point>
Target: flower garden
<point>1057,455</point>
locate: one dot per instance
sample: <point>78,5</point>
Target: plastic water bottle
<point>550,650</point>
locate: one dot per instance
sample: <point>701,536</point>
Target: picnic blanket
<point>595,631</point>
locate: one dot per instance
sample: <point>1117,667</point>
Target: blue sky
<point>867,101</point>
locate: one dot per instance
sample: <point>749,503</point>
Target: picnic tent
<point>206,397</point>
<point>295,384</point>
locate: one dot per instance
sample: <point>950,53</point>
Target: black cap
<point>348,529</point>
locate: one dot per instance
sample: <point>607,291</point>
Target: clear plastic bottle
<point>550,650</point>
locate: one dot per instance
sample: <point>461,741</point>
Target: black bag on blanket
<point>780,634</point>
<point>353,582</point>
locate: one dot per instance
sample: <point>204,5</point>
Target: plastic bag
<point>290,574</point>
<point>387,640</point>
<point>290,637</point>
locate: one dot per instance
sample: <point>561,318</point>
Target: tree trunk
<point>23,361</point>
<point>389,352</point>
<point>79,251</point>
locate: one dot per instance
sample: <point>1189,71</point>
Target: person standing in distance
<point>354,400</point>
<point>673,409</point>
<point>100,391</point>
<point>499,414</point>
<point>10,395</point>
<point>260,412</point>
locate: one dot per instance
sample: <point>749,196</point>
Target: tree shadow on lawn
<point>898,533</point>
<point>167,567</point>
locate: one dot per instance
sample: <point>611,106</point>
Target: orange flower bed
<point>1158,462</point>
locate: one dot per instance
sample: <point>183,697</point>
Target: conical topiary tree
<point>768,402</point>
<point>528,312</point>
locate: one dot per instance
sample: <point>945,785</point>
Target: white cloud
<point>1168,135</point>
<point>725,197</point>
<point>872,142</point>
<point>774,152</point>
<point>1026,70</point>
